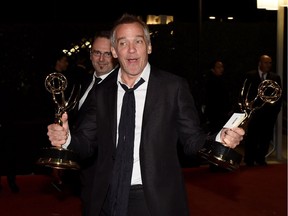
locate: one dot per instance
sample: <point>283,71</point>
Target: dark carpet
<point>249,191</point>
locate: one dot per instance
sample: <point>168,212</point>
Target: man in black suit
<point>165,112</point>
<point>261,126</point>
<point>103,64</point>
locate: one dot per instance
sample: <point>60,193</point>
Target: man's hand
<point>58,134</point>
<point>232,137</point>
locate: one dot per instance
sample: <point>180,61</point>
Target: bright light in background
<point>157,20</point>
<point>221,18</point>
<point>76,48</point>
<point>283,3</point>
<point>271,4</point>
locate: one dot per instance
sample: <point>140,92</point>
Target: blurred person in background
<point>260,129</point>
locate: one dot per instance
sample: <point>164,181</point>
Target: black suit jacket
<point>169,114</point>
<point>75,118</point>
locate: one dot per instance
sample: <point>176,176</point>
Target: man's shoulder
<point>110,79</point>
<point>112,75</point>
<point>274,75</point>
<point>157,72</point>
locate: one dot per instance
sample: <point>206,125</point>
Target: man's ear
<point>114,54</point>
<point>149,49</point>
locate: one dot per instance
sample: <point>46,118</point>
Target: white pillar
<point>281,27</point>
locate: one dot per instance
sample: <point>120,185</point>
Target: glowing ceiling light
<point>283,3</point>
<point>271,4</point>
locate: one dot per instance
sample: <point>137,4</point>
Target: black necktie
<point>122,171</point>
<point>97,80</point>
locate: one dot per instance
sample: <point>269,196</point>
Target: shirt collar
<point>144,75</point>
<point>103,76</point>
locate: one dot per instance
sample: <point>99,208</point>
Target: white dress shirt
<point>140,95</point>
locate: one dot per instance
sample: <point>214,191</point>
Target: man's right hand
<point>58,134</point>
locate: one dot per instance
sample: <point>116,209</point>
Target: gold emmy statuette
<point>269,91</point>
<point>56,157</point>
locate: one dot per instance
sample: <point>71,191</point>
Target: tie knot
<point>134,87</point>
<point>97,80</point>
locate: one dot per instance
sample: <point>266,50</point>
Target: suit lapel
<point>85,83</point>
<point>111,93</point>
<point>152,96</point>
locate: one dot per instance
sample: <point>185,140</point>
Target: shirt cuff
<point>66,144</point>
<point>218,138</point>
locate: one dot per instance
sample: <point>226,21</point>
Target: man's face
<point>101,57</point>
<point>265,64</point>
<point>131,48</point>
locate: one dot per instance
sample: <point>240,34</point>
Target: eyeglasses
<point>97,53</point>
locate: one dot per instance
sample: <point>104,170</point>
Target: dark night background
<point>30,34</point>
